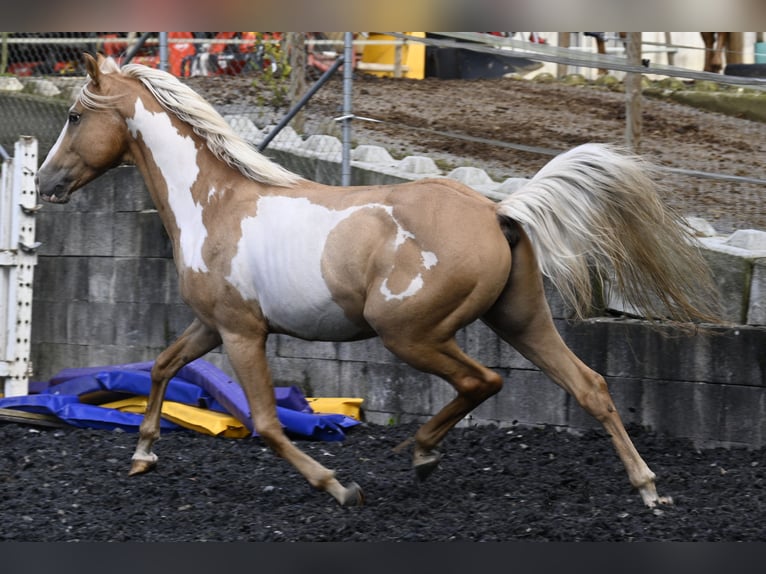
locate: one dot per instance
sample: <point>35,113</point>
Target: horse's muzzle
<point>58,193</point>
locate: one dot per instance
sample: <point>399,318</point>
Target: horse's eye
<point>74,117</point>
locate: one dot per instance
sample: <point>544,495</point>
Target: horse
<point>260,250</point>
<point>715,43</point>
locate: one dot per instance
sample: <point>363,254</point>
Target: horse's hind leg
<point>195,341</point>
<point>522,318</point>
<point>473,382</point>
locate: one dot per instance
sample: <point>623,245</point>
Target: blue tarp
<point>69,393</point>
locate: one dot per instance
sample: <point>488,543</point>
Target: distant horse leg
<point>715,42</point>
<point>195,341</point>
<point>248,357</point>
<point>522,318</point>
<point>473,382</point>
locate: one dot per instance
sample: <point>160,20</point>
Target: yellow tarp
<point>337,405</point>
<point>201,420</point>
<point>220,424</point>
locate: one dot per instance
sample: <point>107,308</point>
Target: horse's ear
<point>93,68</point>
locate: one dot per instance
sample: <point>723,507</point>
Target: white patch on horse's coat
<point>402,234</point>
<point>279,264</point>
<point>429,259</point>
<point>415,285</point>
<point>176,158</point>
<point>54,150</point>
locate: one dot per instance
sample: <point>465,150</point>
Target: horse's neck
<point>168,155</point>
<point>175,165</point>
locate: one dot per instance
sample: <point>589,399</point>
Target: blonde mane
<point>190,107</point>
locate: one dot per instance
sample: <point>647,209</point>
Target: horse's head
<point>94,139</point>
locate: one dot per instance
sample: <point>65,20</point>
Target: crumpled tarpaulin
<point>201,397</point>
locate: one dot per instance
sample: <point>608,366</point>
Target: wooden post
<point>633,94</point>
<point>295,44</point>
<point>668,44</point>
<point>561,69</point>
<point>398,59</point>
<point>735,48</point>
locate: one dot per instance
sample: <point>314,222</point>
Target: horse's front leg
<point>195,341</point>
<point>247,354</point>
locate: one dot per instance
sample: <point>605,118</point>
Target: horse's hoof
<point>650,497</point>
<point>352,496</point>
<point>141,466</point>
<point>425,464</point>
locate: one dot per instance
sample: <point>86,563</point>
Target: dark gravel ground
<point>494,484</point>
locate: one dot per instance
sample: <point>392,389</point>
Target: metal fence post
<point>163,51</point>
<point>348,75</point>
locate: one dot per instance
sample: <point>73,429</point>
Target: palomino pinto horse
<point>260,250</point>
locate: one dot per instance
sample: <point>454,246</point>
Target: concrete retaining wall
<point>106,293</point>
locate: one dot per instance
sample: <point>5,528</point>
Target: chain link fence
<point>251,78</point>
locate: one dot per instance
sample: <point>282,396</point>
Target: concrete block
<point>314,377</point>
<point>743,417</point>
<point>49,323</point>
<point>367,350</point>
<point>512,184</point>
<point>52,357</point>
<point>588,340</point>
<point>683,409</point>
<point>73,234</point>
<point>286,138</point>
<point>396,389</point>
<point>244,127</point>
<point>529,397</point>
<point>372,154</point>
<point>756,309</point>
<point>128,190</point>
<point>146,280</point>
<point>140,324</point>
<point>10,84</point>
<point>485,346</point>
<point>753,240</point>
<point>322,146</point>
<point>472,176</point>
<point>97,197</point>
<point>732,269</point>
<point>421,165</point>
<point>43,87</point>
<point>293,347</point>
<point>701,227</point>
<point>61,278</point>
<point>140,234</point>
<point>80,323</point>
<point>101,279</point>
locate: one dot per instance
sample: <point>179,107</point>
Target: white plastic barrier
<point>18,203</point>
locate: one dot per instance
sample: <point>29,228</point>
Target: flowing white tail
<point>595,211</point>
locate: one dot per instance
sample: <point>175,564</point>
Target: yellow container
<point>380,59</point>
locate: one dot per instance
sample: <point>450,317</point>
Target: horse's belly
<point>279,266</point>
<point>307,314</point>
